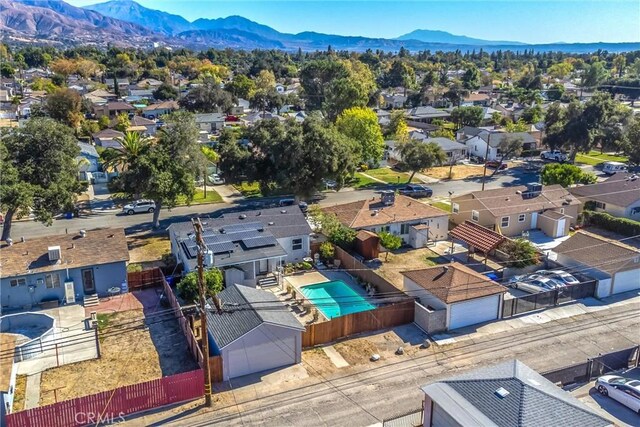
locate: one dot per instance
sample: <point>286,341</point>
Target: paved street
<point>141,222</point>
<point>365,395</point>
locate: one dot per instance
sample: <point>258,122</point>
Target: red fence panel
<point>111,406</point>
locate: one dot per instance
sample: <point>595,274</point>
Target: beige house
<point>513,210</point>
<point>415,222</point>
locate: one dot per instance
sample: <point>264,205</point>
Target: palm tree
<point>132,146</point>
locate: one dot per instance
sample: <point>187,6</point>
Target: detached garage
<point>613,264</point>
<point>468,296</point>
<point>255,332</point>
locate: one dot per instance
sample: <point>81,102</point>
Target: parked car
<point>534,284</point>
<point>316,197</point>
<point>215,179</point>
<point>416,190</point>
<point>139,206</point>
<point>304,207</point>
<point>554,155</point>
<point>476,159</point>
<point>286,202</point>
<point>612,168</point>
<point>496,165</point>
<point>329,183</point>
<point>624,390</point>
<point>559,275</point>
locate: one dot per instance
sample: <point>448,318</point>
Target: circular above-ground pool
<point>33,333</point>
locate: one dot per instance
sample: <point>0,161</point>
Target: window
<point>561,210</point>
<point>296,244</point>
<point>18,282</point>
<point>52,280</point>
<point>385,228</point>
<point>475,215</point>
<point>404,228</point>
<point>504,222</point>
<point>601,205</point>
<point>456,208</point>
<point>522,217</point>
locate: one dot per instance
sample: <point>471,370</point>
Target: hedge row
<point>624,226</point>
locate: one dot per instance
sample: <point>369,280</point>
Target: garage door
<point>474,311</point>
<point>626,281</point>
<point>256,352</point>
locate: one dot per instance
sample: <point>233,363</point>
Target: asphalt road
<point>141,222</point>
<point>366,395</point>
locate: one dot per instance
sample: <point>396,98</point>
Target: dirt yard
<point>131,351</point>
<point>459,171</point>
<point>406,259</point>
<point>320,362</point>
<point>147,249</point>
<point>20,391</point>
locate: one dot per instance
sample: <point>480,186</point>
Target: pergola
<point>477,236</point>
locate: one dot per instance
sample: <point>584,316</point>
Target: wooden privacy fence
<point>192,342</point>
<point>215,368</point>
<point>112,406</point>
<point>365,321</point>
<point>145,279</point>
<point>358,269</point>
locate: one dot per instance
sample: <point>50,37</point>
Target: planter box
<point>49,304</point>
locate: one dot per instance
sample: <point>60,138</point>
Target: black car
<point>416,190</point>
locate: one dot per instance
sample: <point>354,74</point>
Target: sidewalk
<point>228,193</point>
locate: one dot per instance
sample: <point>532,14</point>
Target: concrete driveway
<point>607,407</point>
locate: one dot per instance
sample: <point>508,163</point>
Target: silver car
<point>139,206</point>
<point>534,284</point>
<point>624,390</point>
<point>560,276</point>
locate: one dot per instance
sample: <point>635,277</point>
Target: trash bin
<point>69,215</point>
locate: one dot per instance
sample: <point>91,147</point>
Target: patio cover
<point>477,236</point>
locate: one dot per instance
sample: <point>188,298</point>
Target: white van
<point>611,168</point>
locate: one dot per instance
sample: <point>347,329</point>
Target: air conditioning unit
<point>55,253</point>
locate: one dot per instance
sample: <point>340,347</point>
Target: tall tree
<point>165,91</point>
<point>631,145</point>
<point>39,171</point>
<point>417,156</point>
<point>361,125</point>
<point>132,147</point>
<point>471,78</point>
<point>65,106</point>
<point>565,175</point>
<point>467,116</point>
<point>207,98</point>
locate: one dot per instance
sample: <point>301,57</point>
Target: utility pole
<point>486,154</point>
<point>202,248</point>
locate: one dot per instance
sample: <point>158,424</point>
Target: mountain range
<point>125,22</point>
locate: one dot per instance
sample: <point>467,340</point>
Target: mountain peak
<point>438,36</point>
<point>130,11</point>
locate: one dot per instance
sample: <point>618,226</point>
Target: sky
<point>529,21</point>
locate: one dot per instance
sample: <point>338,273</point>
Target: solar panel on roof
<point>244,226</point>
<point>222,247</point>
<point>192,250</point>
<point>260,242</point>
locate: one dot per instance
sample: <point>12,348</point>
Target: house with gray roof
<point>421,116</point>
<point>253,332</point>
<point>89,159</point>
<point>247,246</point>
<point>618,196</point>
<point>210,122</point>
<point>509,394</point>
<point>454,150</point>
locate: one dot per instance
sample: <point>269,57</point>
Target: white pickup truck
<point>555,155</point>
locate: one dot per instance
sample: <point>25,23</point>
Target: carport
<point>477,237</point>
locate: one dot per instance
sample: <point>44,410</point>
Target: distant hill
<point>130,11</point>
<point>434,36</point>
<point>57,21</point>
<point>125,22</point>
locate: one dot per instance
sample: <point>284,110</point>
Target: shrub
<point>624,226</point>
<point>390,242</point>
<point>134,268</point>
<point>521,253</point>
<point>327,251</point>
<point>305,265</point>
<point>188,286</point>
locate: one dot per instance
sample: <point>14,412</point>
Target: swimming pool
<point>336,298</point>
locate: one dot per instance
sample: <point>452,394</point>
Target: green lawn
<point>252,189</point>
<point>595,158</point>
<point>360,181</point>
<point>390,176</point>
<point>199,199</point>
<point>441,205</point>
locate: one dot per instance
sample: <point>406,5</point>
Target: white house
<point>210,122</point>
<point>467,296</point>
<point>248,246</point>
<point>477,145</point>
<point>613,264</point>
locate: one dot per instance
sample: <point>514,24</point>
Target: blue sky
<point>530,21</point>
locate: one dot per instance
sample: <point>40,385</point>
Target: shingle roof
<point>245,308</point>
<point>119,105</point>
<point>88,149</point>
<point>496,138</point>
<point>100,246</point>
<point>446,144</point>
<point>477,236</point>
<point>532,400</point>
<point>427,112</point>
<point>209,117</point>
<point>7,348</point>
<point>454,282</point>
<point>108,134</point>
<point>141,121</point>
<point>620,190</point>
<point>371,212</point>
<point>590,249</point>
<point>166,105</point>
<point>509,200</point>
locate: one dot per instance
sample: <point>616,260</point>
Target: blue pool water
<point>336,298</point>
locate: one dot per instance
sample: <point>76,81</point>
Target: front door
<point>534,220</point>
<point>88,282</point>
<point>264,266</point>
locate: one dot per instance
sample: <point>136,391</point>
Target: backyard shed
<point>468,296</point>
<point>254,332</point>
<point>367,244</point>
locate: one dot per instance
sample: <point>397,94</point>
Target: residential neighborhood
<point>212,220</point>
